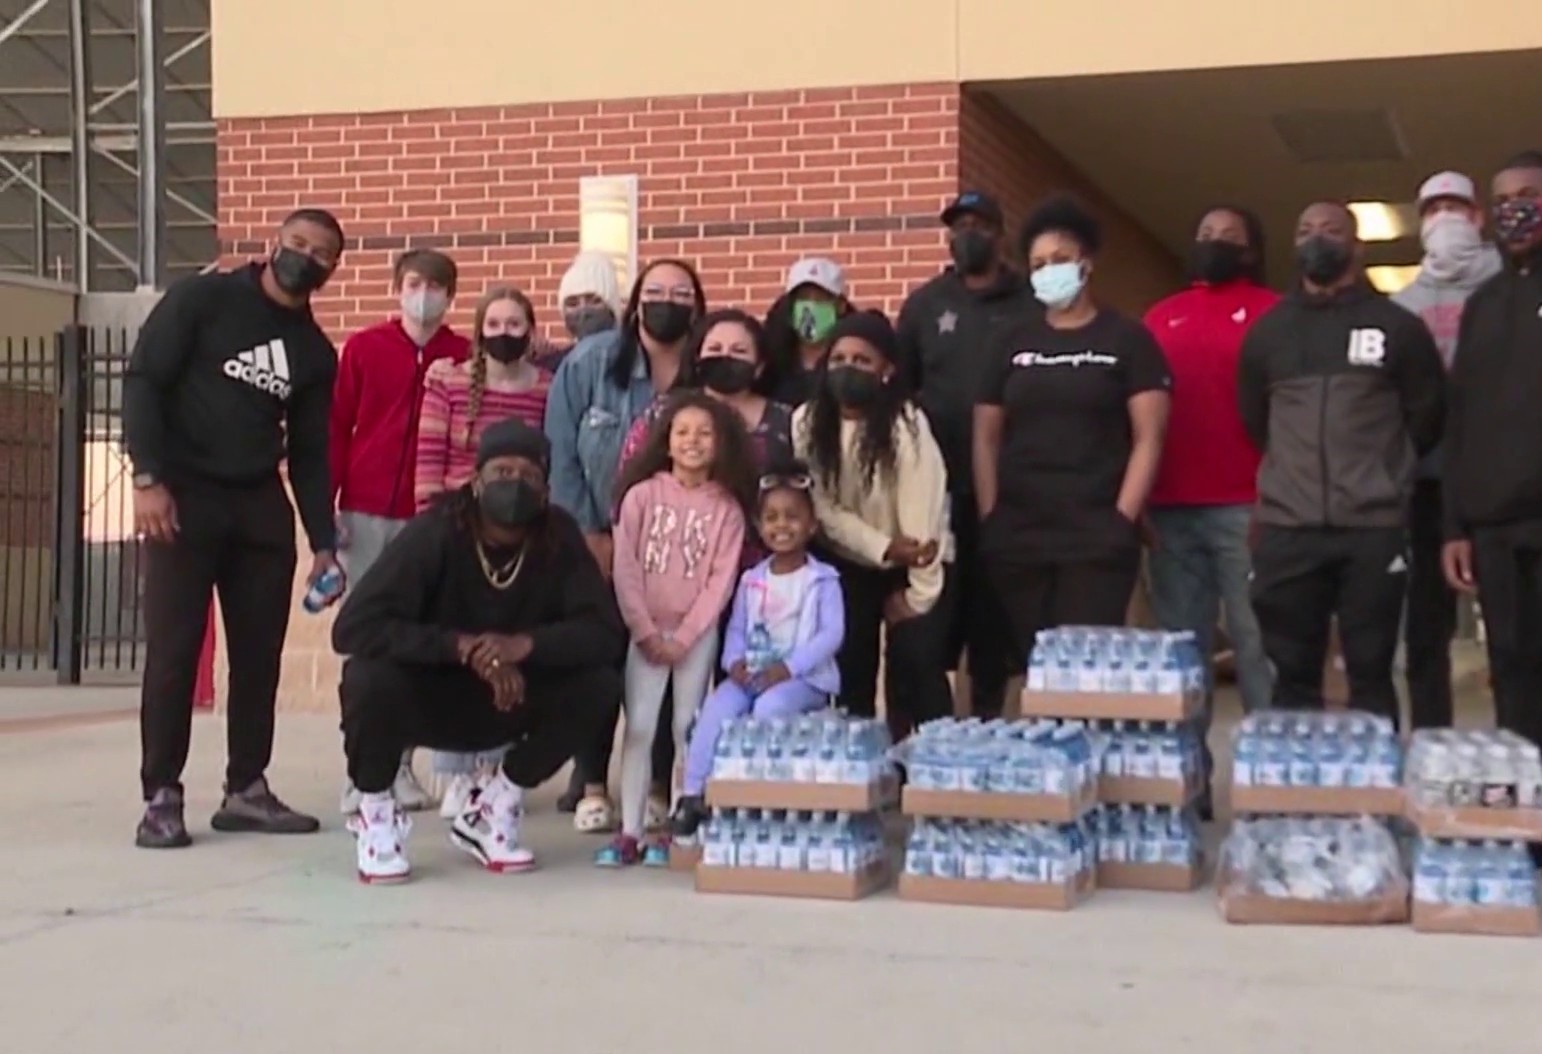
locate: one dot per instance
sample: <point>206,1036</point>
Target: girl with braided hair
<point>460,401</point>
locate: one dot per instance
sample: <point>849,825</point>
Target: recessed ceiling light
<point>1382,221</point>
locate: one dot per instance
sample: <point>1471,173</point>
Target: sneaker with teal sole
<point>655,854</point>
<point>623,851</point>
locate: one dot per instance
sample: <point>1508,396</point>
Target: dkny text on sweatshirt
<point>676,557</point>
<point>224,383</point>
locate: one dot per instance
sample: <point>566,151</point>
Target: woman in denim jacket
<point>602,386</point>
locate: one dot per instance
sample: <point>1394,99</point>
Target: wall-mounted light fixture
<point>607,222</point>
<point>1383,221</point>
<point>1392,278</point>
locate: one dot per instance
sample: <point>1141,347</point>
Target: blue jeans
<point>1200,565</point>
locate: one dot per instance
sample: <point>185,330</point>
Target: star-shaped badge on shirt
<point>947,322</point>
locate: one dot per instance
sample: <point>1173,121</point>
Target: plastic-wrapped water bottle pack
<point>1316,749</point>
<point>1000,852</point>
<point>1148,750</point>
<point>1114,659</point>
<point>1145,834</point>
<point>828,842</point>
<point>1000,757</point>
<point>1317,858</point>
<point>825,748</point>
<point>1474,874</point>
<point>1467,768</point>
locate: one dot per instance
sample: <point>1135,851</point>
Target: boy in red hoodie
<point>375,408</point>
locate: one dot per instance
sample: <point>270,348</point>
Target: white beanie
<point>591,273</point>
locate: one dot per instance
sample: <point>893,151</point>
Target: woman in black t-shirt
<point>1067,438</point>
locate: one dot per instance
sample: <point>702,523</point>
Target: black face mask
<point>506,347</point>
<point>297,273</point>
<point>588,320</point>
<point>973,252</point>
<point>1216,261</point>
<point>666,321</point>
<point>723,373</point>
<point>853,387</point>
<point>1323,261</point>
<point>511,502</point>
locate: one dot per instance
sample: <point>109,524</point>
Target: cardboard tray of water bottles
<point>796,808</point>
<point>1316,763</point>
<point>1475,797</point>
<point>1113,673</point>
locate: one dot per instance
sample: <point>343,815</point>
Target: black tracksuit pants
<point>240,542</point>
<point>388,706</point>
<point>1509,573</point>
<point>1302,577</point>
<point>1075,593</point>
<point>979,622</point>
<point>1429,621</point>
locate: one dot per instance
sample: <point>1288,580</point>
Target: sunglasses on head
<point>771,481</point>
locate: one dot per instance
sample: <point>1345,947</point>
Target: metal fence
<point>70,567</point>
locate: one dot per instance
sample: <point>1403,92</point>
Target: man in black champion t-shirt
<point>231,375</point>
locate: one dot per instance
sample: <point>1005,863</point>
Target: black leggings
<point>388,706</point>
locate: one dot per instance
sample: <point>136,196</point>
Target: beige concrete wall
<point>378,55</point>
<point>31,308</point>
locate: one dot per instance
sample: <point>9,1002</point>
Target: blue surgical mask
<point>1057,284</point>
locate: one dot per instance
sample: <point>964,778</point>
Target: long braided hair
<point>479,350</point>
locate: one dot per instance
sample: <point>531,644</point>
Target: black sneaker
<point>690,811</point>
<point>258,809</point>
<point>162,826</point>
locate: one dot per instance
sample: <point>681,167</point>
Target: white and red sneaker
<point>488,829</point>
<point>380,836</point>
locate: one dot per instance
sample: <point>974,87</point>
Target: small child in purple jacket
<point>786,626</point>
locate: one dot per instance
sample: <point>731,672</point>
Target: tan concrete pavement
<point>244,944</point>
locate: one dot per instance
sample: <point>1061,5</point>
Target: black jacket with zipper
<point>1342,393</point>
<point>1493,472</point>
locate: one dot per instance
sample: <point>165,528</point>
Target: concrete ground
<point>249,944</point>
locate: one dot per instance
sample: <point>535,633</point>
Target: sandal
<point>594,815</point>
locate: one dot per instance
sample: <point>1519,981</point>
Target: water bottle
<point>1303,766</point>
<point>1038,669</point>
<point>858,768</point>
<point>1169,751</point>
<point>803,749</point>
<point>1461,889</point>
<point>972,854</point>
<point>1245,759</point>
<point>1118,676</point>
<point>1520,878</point>
<point>752,750</point>
<point>714,847</point>
<point>765,831</point>
<point>842,859</point>
<point>1142,760</point>
<point>918,852</point>
<point>1429,884</point>
<point>791,845</point>
<point>1144,673</point>
<point>741,842</point>
<point>1169,678</point>
<point>324,591</point>
<point>998,856</point>
<point>727,758</point>
<point>830,757</point>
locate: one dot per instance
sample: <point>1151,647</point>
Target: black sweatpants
<point>388,706</point>
<point>979,624</point>
<point>1302,577</point>
<point>1429,620</point>
<point>240,542</point>
<point>1080,593</point>
<point>1509,573</point>
<point>915,659</point>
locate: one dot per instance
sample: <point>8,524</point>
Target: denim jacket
<point>587,418</point>
<point>821,625</point>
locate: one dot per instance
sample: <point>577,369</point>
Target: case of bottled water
<point>820,748</point>
<point>1466,874</point>
<point>1316,749</point>
<point>809,842</point>
<point>1041,758</point>
<point>1146,834</point>
<point>1321,860</point>
<point>1115,659</point>
<point>1147,750</point>
<point>985,851</point>
<point>1452,768</point>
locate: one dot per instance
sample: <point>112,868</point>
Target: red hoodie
<point>375,407</point>
<point>1208,458</point>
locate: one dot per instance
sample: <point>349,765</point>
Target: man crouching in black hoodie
<point>1343,391</point>
<point>484,622</point>
<point>1493,480</point>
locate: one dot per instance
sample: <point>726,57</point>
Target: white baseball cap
<point>817,271</point>
<point>1447,185</point>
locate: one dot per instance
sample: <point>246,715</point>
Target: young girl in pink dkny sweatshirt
<point>678,537</point>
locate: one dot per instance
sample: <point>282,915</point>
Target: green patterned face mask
<point>813,320</point>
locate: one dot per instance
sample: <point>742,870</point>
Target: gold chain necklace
<point>502,577</point>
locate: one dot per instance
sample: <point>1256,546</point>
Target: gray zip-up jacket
<point>1342,394</point>
<point>1439,302</point>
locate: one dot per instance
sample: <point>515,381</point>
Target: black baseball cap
<point>973,202</point>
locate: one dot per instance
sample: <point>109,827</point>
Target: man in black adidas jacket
<point>1493,474</point>
<point>231,375</point>
<point>1343,391</point>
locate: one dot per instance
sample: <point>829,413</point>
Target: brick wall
<point>28,429</point>
<point>743,184</point>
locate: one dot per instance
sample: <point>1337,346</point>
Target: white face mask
<point>1452,242</point>
<point>424,306</point>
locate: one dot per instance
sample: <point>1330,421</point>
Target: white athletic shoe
<point>348,804</point>
<point>380,836</point>
<point>457,794</point>
<point>409,793</point>
<point>489,828</point>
